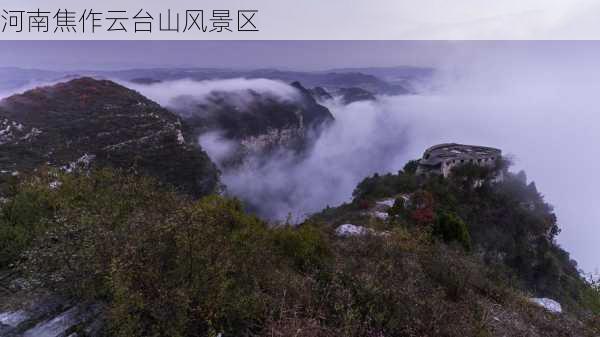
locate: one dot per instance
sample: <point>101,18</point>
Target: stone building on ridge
<point>442,158</point>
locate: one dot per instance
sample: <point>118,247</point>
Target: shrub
<point>450,228</point>
<point>422,204</point>
<point>305,246</point>
<point>23,218</point>
<point>591,298</point>
<point>411,166</point>
<point>397,208</point>
<point>165,265</point>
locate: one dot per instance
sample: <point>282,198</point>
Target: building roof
<point>441,152</point>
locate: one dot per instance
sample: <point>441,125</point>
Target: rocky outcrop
<point>320,94</point>
<point>350,230</point>
<point>255,123</point>
<point>548,304</point>
<point>100,123</point>
<point>347,230</point>
<point>30,311</point>
<point>354,94</point>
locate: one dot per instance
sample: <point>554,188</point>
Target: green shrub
<point>383,186</point>
<point>166,265</point>
<point>23,218</point>
<point>397,208</point>
<point>163,264</point>
<point>411,166</point>
<point>591,297</point>
<point>450,228</point>
<point>305,246</point>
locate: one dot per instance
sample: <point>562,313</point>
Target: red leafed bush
<point>422,216</point>
<point>423,212</point>
<point>364,204</point>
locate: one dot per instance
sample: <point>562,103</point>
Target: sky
<point>537,100</point>
<point>299,55</point>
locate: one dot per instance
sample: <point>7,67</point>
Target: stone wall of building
<point>442,158</point>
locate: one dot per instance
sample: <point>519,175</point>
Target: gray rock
<point>548,304</point>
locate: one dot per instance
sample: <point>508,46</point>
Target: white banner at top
<point>299,20</point>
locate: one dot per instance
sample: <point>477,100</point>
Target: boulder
<point>548,304</point>
<point>347,230</point>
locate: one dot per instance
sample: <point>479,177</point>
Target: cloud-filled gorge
<point>548,124</point>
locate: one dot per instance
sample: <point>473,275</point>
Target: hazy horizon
<point>99,55</point>
<point>284,55</point>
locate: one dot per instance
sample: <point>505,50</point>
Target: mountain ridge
<point>56,125</point>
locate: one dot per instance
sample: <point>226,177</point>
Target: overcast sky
<point>299,55</point>
<point>305,55</point>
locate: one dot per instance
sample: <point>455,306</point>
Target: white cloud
<point>164,92</point>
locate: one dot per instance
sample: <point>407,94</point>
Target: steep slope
<point>496,242</point>
<point>320,94</point>
<point>351,95</point>
<point>149,265</point>
<point>256,123</point>
<point>91,122</point>
<point>345,95</point>
<point>507,223</point>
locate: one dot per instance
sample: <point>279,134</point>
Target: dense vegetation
<point>508,222</point>
<point>162,264</point>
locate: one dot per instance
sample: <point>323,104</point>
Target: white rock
<point>54,327</point>
<point>386,202</point>
<point>347,230</point>
<point>33,133</point>
<point>13,318</point>
<point>406,198</point>
<point>55,184</point>
<point>381,215</point>
<point>547,303</point>
<point>180,138</point>
<point>82,162</point>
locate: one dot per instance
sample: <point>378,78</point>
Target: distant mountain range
<point>393,80</point>
<point>72,118</point>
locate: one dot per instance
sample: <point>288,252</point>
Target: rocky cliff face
<point>354,94</point>
<point>86,122</point>
<point>345,95</point>
<point>320,94</point>
<point>255,123</point>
